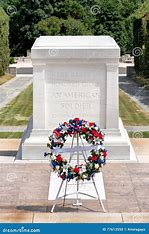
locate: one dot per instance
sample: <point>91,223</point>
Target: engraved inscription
<point>75,95</point>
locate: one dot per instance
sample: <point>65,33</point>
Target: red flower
<point>94,133</point>
<point>100,136</point>
<point>76,170</point>
<point>94,157</point>
<point>57,134</point>
<point>63,176</point>
<point>91,124</point>
<point>76,119</point>
<point>104,153</point>
<point>59,158</point>
<point>84,130</point>
<point>91,138</point>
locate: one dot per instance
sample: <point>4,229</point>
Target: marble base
<point>84,187</point>
<point>116,141</point>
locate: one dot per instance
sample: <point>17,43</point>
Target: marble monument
<point>75,76</point>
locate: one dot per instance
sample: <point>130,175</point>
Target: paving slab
<point>92,217</point>
<point>140,146</point>
<point>135,218</point>
<point>120,186</point>
<point>5,159</point>
<point>143,158</point>
<point>23,184</point>
<point>25,187</point>
<point>70,217</point>
<point>16,217</point>
<point>9,144</point>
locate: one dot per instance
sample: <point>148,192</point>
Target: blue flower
<point>100,161</point>
<point>54,163</point>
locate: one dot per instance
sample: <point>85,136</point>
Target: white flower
<point>64,129</point>
<point>52,157</point>
<point>102,157</point>
<point>96,166</point>
<point>65,167</point>
<point>57,168</point>
<point>82,169</point>
<point>84,176</point>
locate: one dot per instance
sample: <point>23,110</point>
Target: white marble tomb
<point>76,76</point>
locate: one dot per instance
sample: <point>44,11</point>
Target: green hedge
<point>4,42</point>
<point>141,39</point>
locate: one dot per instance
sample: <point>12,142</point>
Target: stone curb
<point>90,217</point>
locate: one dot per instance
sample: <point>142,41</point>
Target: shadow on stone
<point>9,153</point>
<point>87,206</point>
<point>33,208</point>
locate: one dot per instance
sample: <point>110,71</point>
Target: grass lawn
<point>10,135</point>
<point>5,78</point>
<point>18,111</point>
<point>131,113</point>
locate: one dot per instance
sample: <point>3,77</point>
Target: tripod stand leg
<point>84,153</point>
<point>100,202</point>
<point>85,156</point>
<point>53,207</point>
<point>65,194</point>
<point>77,196</point>
<point>71,154</point>
<point>77,193</point>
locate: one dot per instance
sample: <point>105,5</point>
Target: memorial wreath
<point>86,130</point>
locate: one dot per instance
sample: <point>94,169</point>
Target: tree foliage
<point>141,39</point>
<point>70,17</point>
<point>56,26</point>
<point>4,44</point>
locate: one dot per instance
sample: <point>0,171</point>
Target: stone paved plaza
<point>24,193</point>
